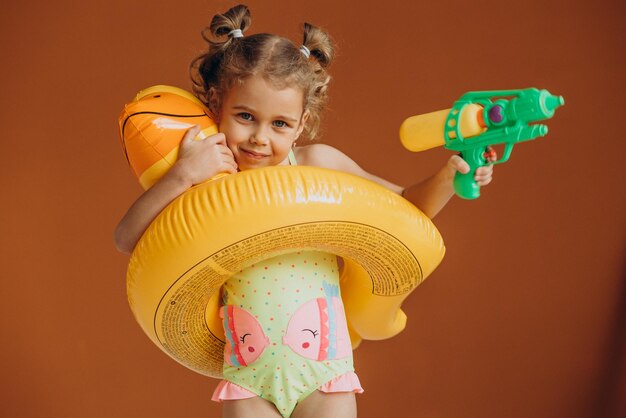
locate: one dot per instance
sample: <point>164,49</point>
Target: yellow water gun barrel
<point>422,132</point>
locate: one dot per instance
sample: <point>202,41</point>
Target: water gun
<point>477,121</point>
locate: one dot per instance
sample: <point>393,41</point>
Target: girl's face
<point>261,122</point>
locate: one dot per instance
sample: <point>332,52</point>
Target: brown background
<point>524,318</point>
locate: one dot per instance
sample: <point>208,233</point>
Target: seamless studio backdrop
<point>524,317</point>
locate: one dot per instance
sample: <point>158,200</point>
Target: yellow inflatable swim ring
<point>219,227</point>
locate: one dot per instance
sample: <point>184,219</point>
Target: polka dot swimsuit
<point>285,328</point>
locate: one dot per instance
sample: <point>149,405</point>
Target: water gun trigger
<point>490,155</point>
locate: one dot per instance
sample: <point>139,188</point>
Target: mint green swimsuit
<point>285,328</point>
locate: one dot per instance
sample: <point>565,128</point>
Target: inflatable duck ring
<point>229,223</point>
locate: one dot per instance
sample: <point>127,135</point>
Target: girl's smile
<point>252,154</point>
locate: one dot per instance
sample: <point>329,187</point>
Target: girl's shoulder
<point>320,155</point>
<point>325,156</point>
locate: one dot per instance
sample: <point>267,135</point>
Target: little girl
<point>265,93</point>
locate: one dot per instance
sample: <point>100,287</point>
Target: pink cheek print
<point>318,329</point>
<point>245,339</point>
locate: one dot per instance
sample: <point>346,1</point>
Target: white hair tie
<point>235,33</point>
<point>305,51</point>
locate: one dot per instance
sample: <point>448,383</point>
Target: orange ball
<point>152,126</point>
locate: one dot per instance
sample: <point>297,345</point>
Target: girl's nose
<point>260,137</point>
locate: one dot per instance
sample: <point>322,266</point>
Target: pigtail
<point>205,69</point>
<point>321,49</point>
<point>319,43</point>
<point>237,17</point>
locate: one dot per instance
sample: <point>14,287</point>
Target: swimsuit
<point>286,331</point>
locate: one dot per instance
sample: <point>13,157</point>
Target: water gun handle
<point>464,184</point>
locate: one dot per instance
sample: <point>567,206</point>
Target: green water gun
<point>477,121</point>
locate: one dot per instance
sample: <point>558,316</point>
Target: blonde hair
<point>231,60</point>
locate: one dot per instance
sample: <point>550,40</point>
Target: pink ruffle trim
<point>347,382</point>
<point>228,391</point>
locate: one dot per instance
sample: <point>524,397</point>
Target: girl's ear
<point>214,103</point>
<point>303,120</point>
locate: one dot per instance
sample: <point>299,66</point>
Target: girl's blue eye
<point>280,123</point>
<point>245,116</point>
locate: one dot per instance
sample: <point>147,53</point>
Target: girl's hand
<point>200,160</point>
<point>483,176</point>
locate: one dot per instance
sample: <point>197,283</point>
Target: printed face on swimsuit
<point>245,339</point>
<point>318,330</point>
<point>261,122</point>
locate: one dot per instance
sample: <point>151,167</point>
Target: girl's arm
<point>430,195</point>
<point>197,161</point>
<point>143,211</point>
<point>433,193</point>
